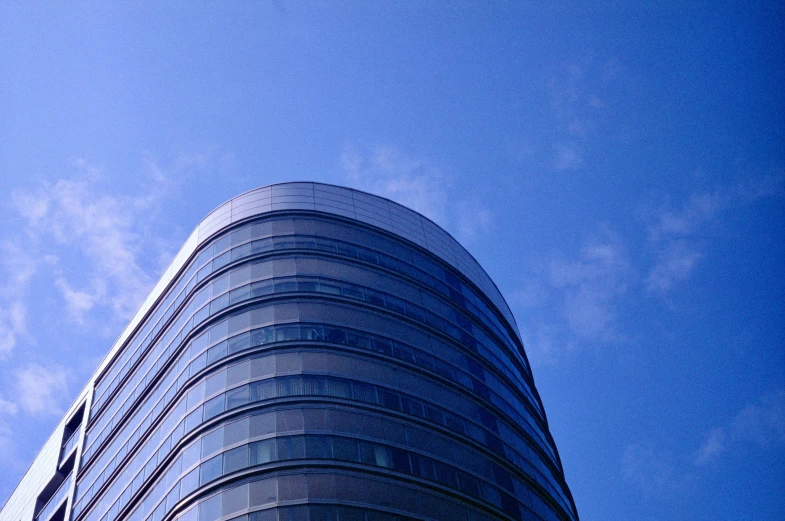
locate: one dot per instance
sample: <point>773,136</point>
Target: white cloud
<point>18,269</point>
<point>712,448</point>
<point>410,181</point>
<point>590,284</point>
<point>473,220</point>
<point>567,156</point>
<point>676,262</point>
<point>675,235</point>
<point>100,233</point>
<point>13,324</point>
<point>7,408</point>
<point>569,301</point>
<point>652,472</point>
<point>760,424</point>
<point>42,390</point>
<point>577,100</point>
<point>416,183</point>
<point>687,220</point>
<point>8,453</point>
<point>79,303</point>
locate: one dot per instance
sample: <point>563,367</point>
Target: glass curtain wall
<point>307,366</point>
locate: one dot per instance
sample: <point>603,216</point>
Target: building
<point>312,353</point>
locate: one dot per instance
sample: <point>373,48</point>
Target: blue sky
<point>618,168</point>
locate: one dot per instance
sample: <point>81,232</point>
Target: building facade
<point>312,353</point>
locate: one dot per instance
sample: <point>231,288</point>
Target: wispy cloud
<point>676,234</point>
<point>90,247</point>
<point>711,449</point>
<point>760,424</point>
<point>653,472</point>
<point>569,300</point>
<point>388,172</point>
<point>18,269</point>
<point>42,390</point>
<point>473,220</point>
<point>577,101</point>
<point>567,156</point>
<point>676,261</point>
<point>7,449</point>
<point>13,323</point>
<point>102,228</point>
<point>418,184</point>
<point>100,247</point>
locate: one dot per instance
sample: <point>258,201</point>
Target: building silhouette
<point>313,353</point>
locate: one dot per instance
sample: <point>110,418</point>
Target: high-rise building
<point>313,353</point>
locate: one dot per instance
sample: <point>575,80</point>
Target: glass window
<point>191,454</point>
<point>238,372</point>
<point>423,467</point>
<point>446,474</point>
<point>350,514</point>
<point>296,447</point>
<point>390,399</point>
<point>216,352</point>
<point>214,407</point>
<point>374,297</point>
<point>216,382</point>
<point>491,494</point>
<point>196,395</point>
<point>308,286</point>
<point>344,449</point>
<point>172,498</point>
<point>188,515</point>
<point>239,343</point>
<point>434,414</point>
<point>312,332</point>
<point>219,303</point>
<point>400,460</point>
<point>330,289</point>
<point>469,483</point>
<point>382,346</point>
<point>316,447</point>
<point>263,390</point>
<point>298,513</point>
<point>285,286</point>
<point>337,388</point>
<point>210,470</point>
<point>198,364</point>
<point>193,420</point>
<point>322,513</point>
<point>236,459</point>
<point>213,442</point>
<point>262,424</point>
<point>263,452</point>
<point>236,432</point>
<point>455,422</point>
<point>412,406</point>
<point>367,453</point>
<point>364,392</point>
<point>261,288</point>
<point>359,340</point>
<point>262,492</point>
<point>237,397</point>
<point>335,335</point>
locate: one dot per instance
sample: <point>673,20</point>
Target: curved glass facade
<point>307,363</point>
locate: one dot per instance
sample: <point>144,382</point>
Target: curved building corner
<point>313,353</point>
